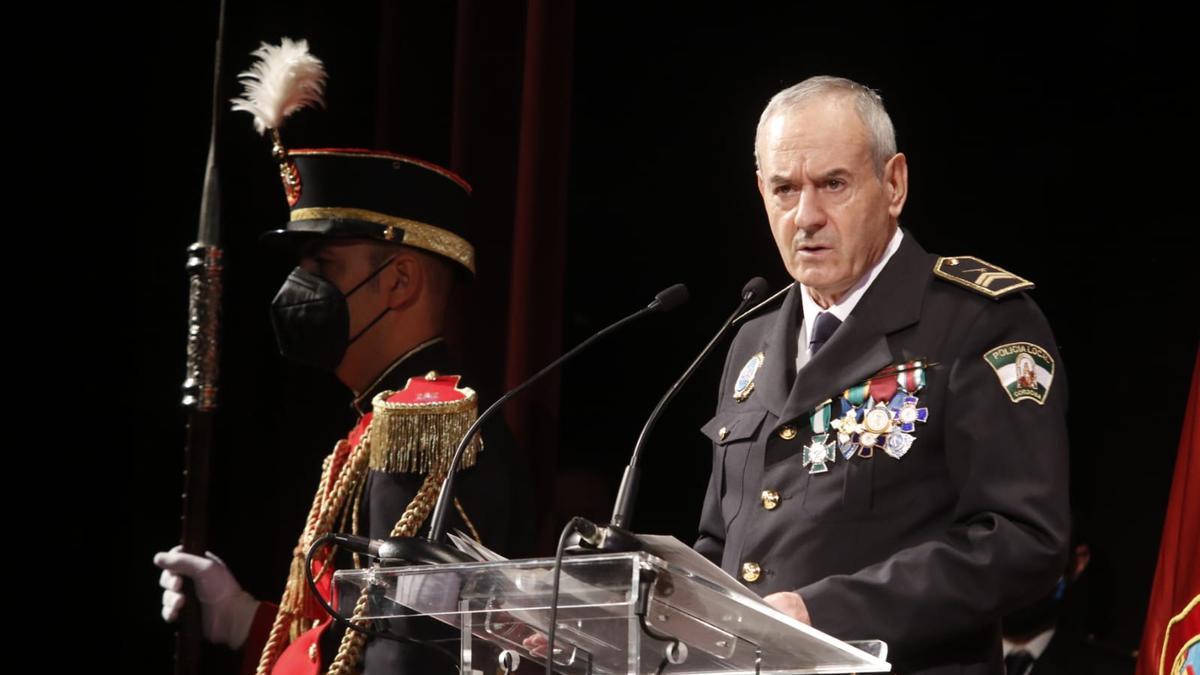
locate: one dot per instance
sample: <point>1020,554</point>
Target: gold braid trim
<point>350,651</point>
<point>470,526</point>
<point>297,607</point>
<point>279,637</point>
<point>357,509</point>
<point>330,506</point>
<point>420,506</point>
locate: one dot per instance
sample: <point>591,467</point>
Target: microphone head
<point>669,298</point>
<point>754,289</point>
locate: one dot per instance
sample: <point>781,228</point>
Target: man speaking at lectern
<point>881,469</point>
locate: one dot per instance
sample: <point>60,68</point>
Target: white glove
<point>226,610</point>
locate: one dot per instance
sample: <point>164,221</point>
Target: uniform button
<point>770,499</point>
<point>312,652</point>
<point>723,432</point>
<point>788,432</point>
<point>751,571</point>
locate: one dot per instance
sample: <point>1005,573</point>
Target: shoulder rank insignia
<point>745,379</point>
<point>1026,371</point>
<point>982,277</point>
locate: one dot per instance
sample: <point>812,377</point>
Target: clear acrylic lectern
<point>617,613</point>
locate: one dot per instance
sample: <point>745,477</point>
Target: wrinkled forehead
<point>828,129</point>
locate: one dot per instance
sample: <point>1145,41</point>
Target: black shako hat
<point>374,194</point>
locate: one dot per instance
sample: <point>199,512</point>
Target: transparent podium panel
<point>617,613</point>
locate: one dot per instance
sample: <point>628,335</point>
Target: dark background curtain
<point>609,147</point>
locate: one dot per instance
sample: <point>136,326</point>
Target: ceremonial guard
<point>382,239</point>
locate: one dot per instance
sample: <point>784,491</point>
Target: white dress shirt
<point>1036,647</point>
<point>843,308</point>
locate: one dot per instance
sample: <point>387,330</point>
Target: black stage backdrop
<point>610,148</point>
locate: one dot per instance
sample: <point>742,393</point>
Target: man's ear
<point>895,182</point>
<point>403,280</point>
<point>1082,555</point>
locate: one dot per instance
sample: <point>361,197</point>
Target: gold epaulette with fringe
<point>416,429</point>
<point>979,276</point>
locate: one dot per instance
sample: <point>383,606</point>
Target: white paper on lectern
<point>475,549</point>
<point>687,558</point>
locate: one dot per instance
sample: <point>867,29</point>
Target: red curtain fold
<point>1173,618</point>
<point>511,137</point>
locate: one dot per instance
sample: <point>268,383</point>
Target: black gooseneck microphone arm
<point>627,494</point>
<point>666,300</point>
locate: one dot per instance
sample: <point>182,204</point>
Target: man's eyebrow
<point>838,172</point>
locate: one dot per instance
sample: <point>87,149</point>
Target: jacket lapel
<point>778,355</point>
<point>859,348</point>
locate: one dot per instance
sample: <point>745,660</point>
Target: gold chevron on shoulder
<point>980,276</point>
<point>750,312</point>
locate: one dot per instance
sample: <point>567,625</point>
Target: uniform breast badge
<point>745,380</point>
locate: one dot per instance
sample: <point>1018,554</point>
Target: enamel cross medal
<point>820,452</point>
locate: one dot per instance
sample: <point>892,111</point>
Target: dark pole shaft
<point>200,379</point>
<point>193,532</point>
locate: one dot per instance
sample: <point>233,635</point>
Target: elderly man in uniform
<point>879,471</point>
<point>382,239</point>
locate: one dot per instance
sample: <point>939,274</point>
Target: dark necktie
<point>1017,662</point>
<point>822,328</point>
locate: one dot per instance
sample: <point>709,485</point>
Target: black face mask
<point>312,319</point>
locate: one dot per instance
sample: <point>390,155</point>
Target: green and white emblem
<point>819,453</point>
<point>1026,371</point>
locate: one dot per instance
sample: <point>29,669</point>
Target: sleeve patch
<point>982,277</point>
<point>1024,369</point>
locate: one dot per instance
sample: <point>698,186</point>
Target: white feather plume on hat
<point>285,79</point>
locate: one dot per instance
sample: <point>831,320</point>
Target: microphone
<point>664,301</point>
<point>669,298</point>
<point>615,537</point>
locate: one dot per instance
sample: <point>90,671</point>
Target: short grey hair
<point>867,102</point>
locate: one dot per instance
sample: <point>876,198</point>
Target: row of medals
<point>887,425</point>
